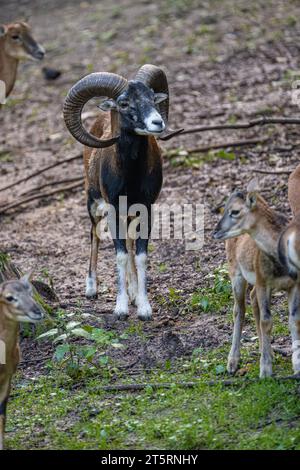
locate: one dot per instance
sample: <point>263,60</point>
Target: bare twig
<point>273,172</point>
<point>243,125</point>
<point>52,183</point>
<point>42,170</point>
<point>40,196</point>
<point>157,385</point>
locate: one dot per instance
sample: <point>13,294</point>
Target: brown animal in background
<point>289,254</point>
<point>252,230</point>
<point>16,305</point>
<point>289,243</point>
<point>16,43</point>
<point>122,159</point>
<point>294,190</point>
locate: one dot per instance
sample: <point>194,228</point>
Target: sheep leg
<point>121,309</point>
<point>256,313</point>
<point>239,288</point>
<point>263,297</point>
<point>95,206</point>
<point>131,272</point>
<point>143,305</point>
<point>3,405</point>
<point>91,280</point>
<point>294,321</point>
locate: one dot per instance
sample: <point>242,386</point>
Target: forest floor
<point>226,61</point>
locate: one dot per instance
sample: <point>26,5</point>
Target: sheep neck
<point>8,68</point>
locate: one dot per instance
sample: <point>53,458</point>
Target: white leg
<point>131,273</point>
<point>91,285</point>
<point>91,279</point>
<point>143,305</point>
<point>121,309</point>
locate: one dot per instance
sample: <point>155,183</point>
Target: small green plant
<point>172,299</point>
<point>193,159</point>
<point>214,297</point>
<point>79,348</point>
<point>5,156</point>
<point>162,267</point>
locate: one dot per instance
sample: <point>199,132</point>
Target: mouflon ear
<point>107,105</point>
<point>253,185</point>
<point>26,280</point>
<point>251,200</point>
<point>160,97</point>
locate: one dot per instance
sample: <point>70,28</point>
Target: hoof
<point>144,318</point>
<point>121,315</point>
<point>233,365</point>
<point>91,296</point>
<point>91,288</point>
<point>265,372</point>
<point>145,313</point>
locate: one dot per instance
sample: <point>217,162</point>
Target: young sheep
<point>252,230</point>
<point>16,305</point>
<point>122,158</point>
<point>16,43</point>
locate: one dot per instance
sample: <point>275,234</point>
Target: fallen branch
<point>40,196</point>
<point>157,385</point>
<point>52,183</point>
<point>42,170</point>
<point>166,385</point>
<point>276,172</point>
<point>242,125</point>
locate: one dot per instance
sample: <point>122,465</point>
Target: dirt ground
<point>226,61</point>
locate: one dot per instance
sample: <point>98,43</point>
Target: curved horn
<point>95,84</point>
<point>155,78</point>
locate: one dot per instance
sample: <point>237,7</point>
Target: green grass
<point>180,157</point>
<point>64,411</point>
<point>53,413</point>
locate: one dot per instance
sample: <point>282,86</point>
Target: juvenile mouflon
<point>16,43</point>
<point>252,231</point>
<point>16,305</point>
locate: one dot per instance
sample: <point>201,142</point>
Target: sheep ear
<point>26,280</point>
<point>107,105</point>
<point>253,185</point>
<point>3,30</point>
<point>160,97</point>
<point>251,200</point>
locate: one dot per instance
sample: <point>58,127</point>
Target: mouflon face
<point>17,301</point>
<point>19,42</point>
<point>137,107</point>
<point>238,216</point>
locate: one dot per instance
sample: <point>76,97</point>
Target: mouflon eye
<point>10,298</point>
<point>15,37</point>
<point>234,213</point>
<point>124,104</point>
